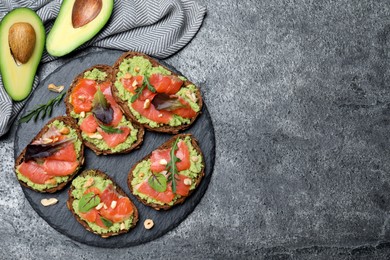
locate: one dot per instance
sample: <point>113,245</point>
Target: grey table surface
<point>299,93</point>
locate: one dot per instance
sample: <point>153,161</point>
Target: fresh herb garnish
<point>102,110</point>
<point>166,102</point>
<point>110,129</point>
<point>158,182</point>
<point>45,109</point>
<point>88,201</point>
<point>138,91</point>
<point>106,222</point>
<point>44,150</point>
<point>171,166</point>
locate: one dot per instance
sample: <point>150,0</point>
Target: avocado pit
<point>21,40</point>
<point>84,11</point>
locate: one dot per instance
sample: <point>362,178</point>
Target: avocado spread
<point>95,74</point>
<point>101,184</point>
<point>140,66</point>
<point>144,168</point>
<point>59,179</point>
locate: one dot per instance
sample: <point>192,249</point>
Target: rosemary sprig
<point>171,166</point>
<point>138,91</point>
<point>45,109</point>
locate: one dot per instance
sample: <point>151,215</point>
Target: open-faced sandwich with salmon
<point>100,205</point>
<point>52,158</point>
<point>104,128</point>
<point>153,95</point>
<point>169,174</point>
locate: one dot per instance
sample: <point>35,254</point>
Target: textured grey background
<point>299,93</point>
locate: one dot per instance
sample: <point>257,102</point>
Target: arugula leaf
<point>88,201</point>
<point>106,222</point>
<point>158,182</point>
<point>171,166</point>
<point>150,87</point>
<point>110,129</point>
<point>102,110</point>
<point>46,108</point>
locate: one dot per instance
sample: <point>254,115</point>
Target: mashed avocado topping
<point>95,74</point>
<point>101,144</point>
<point>101,184</point>
<point>59,179</point>
<point>140,66</point>
<point>142,172</point>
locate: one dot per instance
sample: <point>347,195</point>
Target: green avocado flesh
<point>101,184</point>
<point>18,79</point>
<point>96,74</point>
<point>144,67</point>
<point>59,179</point>
<point>63,38</point>
<point>144,168</point>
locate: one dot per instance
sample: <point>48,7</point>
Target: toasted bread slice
<point>141,172</point>
<point>125,102</point>
<point>78,188</point>
<point>93,141</point>
<point>54,183</point>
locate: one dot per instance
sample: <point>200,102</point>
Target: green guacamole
<point>101,184</point>
<point>59,179</point>
<point>144,67</point>
<point>95,74</point>
<point>144,168</point>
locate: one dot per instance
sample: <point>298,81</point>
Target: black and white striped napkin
<point>156,27</point>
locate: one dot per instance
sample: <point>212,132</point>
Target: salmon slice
<point>34,172</point>
<point>66,153</point>
<point>132,83</point>
<point>165,84</point>
<point>165,197</point>
<point>59,168</point>
<point>159,116</point>
<point>108,195</point>
<point>181,188</point>
<point>182,153</point>
<point>89,124</point>
<point>82,95</point>
<point>115,139</point>
<point>90,216</point>
<point>93,190</point>
<point>120,212</point>
<point>186,111</point>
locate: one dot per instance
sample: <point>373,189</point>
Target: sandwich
<point>153,95</point>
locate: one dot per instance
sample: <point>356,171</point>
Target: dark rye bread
<point>124,104</point>
<point>166,145</point>
<point>69,108</point>
<point>118,189</point>
<point>70,123</point>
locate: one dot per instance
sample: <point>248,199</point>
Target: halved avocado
<point>77,22</point>
<point>23,30</point>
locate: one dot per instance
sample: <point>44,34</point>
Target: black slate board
<point>116,166</point>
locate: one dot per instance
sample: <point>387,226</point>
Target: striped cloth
<point>156,27</point>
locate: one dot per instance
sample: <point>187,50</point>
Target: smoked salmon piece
<point>165,197</point>
<point>34,172</point>
<point>159,116</point>
<point>182,153</point>
<point>132,83</point>
<point>165,84</point>
<point>59,168</point>
<point>82,95</point>
<point>186,111</point>
<point>66,153</point>
<point>114,139</point>
<point>89,124</point>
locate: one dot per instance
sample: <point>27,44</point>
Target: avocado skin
<point>63,38</point>
<point>18,80</point>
